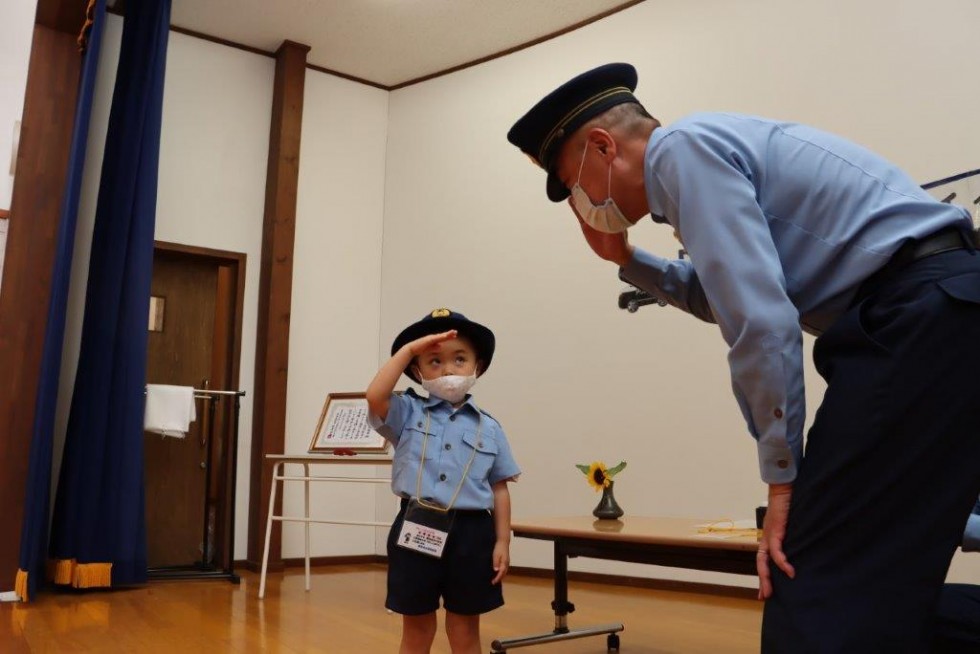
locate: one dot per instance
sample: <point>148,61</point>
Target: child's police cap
<point>442,320</point>
<point>542,130</point>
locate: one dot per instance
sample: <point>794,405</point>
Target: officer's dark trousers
<point>891,468</point>
<point>958,620</point>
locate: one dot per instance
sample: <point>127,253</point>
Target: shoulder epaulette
<point>487,414</point>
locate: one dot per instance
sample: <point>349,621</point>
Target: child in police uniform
<point>451,538</point>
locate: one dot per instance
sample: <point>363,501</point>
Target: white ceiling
<point>387,42</point>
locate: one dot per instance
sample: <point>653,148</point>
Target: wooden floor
<point>343,612</point>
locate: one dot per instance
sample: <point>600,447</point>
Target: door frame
<point>236,261</point>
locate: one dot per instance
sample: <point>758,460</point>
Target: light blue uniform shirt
<point>454,437</point>
<point>782,223</point>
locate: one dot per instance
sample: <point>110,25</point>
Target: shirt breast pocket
<point>483,451</point>
<point>408,455</point>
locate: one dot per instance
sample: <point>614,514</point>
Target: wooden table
<point>671,542</point>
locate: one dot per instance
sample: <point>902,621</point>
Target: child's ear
<point>479,367</point>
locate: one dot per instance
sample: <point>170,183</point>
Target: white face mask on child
<point>451,388</point>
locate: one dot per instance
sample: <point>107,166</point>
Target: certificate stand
<point>279,461</point>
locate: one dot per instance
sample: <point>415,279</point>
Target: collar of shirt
<point>433,402</point>
<point>656,207</point>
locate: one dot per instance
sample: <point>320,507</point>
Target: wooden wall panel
<point>275,293</point>
<point>66,16</point>
<point>42,160</point>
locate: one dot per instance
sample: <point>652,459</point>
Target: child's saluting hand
<point>423,344</point>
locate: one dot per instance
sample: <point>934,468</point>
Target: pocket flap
<point>483,444</point>
<point>965,287</point>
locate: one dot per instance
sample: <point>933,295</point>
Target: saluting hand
<point>421,345</point>
<point>611,247</point>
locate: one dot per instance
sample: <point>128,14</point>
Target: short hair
<point>629,118</point>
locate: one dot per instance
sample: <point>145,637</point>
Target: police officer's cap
<point>442,320</point>
<point>542,130</point>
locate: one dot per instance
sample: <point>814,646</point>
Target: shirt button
<point>783,464</point>
<point>442,477</point>
<point>419,425</point>
<point>778,413</point>
<point>449,446</point>
<point>452,418</point>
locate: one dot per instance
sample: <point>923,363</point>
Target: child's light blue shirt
<point>454,437</point>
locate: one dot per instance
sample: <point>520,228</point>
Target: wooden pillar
<point>275,294</point>
<point>32,233</point>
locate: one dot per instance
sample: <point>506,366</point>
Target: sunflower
<point>598,475</point>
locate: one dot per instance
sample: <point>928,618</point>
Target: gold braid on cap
<point>559,130</point>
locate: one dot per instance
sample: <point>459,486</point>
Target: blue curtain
<point>34,531</point>
<point>98,533</point>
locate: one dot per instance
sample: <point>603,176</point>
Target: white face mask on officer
<point>605,217</point>
<point>451,388</point>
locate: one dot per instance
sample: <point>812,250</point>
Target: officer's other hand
<point>611,247</point>
<point>773,534</point>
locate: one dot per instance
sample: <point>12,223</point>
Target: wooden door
<point>194,340</point>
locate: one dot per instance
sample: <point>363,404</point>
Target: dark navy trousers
<point>958,620</point>
<point>891,467</point>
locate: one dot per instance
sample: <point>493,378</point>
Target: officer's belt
<point>945,240</point>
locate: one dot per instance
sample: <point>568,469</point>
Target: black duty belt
<point>944,240</point>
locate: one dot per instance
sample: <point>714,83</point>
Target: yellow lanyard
<point>462,479</point>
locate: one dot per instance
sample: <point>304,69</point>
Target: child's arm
<point>501,520</point>
<point>380,388</point>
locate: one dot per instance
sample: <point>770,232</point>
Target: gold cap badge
<point>441,313</point>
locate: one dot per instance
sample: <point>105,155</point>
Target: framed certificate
<point>344,426</point>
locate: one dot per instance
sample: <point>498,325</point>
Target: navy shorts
<point>461,577</point>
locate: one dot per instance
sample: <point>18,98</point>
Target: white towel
<point>169,410</point>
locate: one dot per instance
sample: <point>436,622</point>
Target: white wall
<point>467,226</point>
<point>213,154</point>
<point>16,32</point>
<point>333,338</point>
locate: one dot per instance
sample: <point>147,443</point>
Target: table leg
<point>306,483</point>
<point>276,469</point>
<point>562,607</point>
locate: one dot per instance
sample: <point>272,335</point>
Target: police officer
<point>789,228</point>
